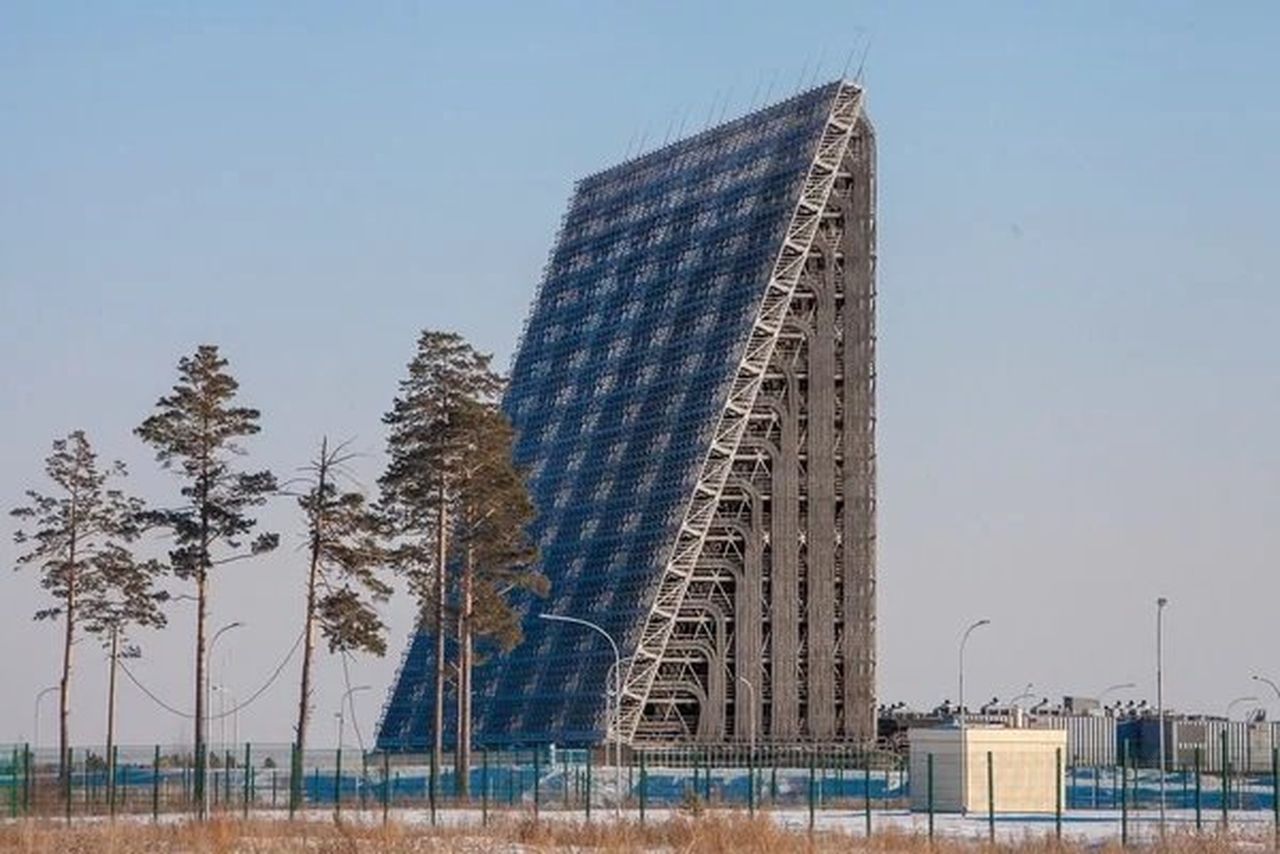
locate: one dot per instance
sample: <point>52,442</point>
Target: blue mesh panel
<point>623,370</point>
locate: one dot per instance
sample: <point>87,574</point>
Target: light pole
<point>1160,606</point>
<point>208,688</point>
<point>202,763</point>
<point>964,744</point>
<point>1111,689</point>
<point>1237,701</point>
<point>615,724</point>
<point>36,734</point>
<point>1027,692</point>
<point>345,702</point>
<point>1264,680</point>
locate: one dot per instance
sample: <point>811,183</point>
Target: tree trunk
<point>111,714</point>
<point>309,626</point>
<point>464,677</point>
<point>442,551</point>
<point>64,685</point>
<point>201,711</point>
<point>202,607</point>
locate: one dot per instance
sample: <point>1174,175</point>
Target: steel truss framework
<point>768,597</point>
<point>699,350</point>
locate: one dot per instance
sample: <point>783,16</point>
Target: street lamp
<point>208,687</point>
<point>616,723</point>
<point>964,744</point>
<point>1111,689</point>
<point>36,734</point>
<point>1237,701</point>
<point>1160,606</point>
<point>346,700</point>
<point>201,763</point>
<point>1027,692</point>
<point>1264,680</point>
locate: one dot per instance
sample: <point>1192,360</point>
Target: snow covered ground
<point>1091,827</point>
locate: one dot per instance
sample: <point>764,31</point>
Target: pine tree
<point>427,448</point>
<point>78,534</point>
<point>124,597</point>
<point>195,432</point>
<point>496,556</point>
<point>343,587</point>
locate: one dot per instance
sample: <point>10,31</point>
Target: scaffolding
<point>694,401</point>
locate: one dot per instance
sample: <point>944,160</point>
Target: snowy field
<point>1089,827</point>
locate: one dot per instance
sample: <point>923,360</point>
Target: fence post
<point>751,782</point>
<point>431,788</point>
<point>386,785</point>
<point>1198,821</point>
<point>866,795</point>
<point>537,782</point>
<point>588,799</point>
<point>28,779</point>
<point>1057,782</point>
<point>155,785</point>
<point>813,790</point>
<point>484,786</point>
<point>112,764</point>
<point>644,780</point>
<point>1226,782</point>
<point>295,779</point>
<point>929,792</point>
<point>337,786</point>
<point>1124,794</point>
<point>247,783</point>
<point>69,765</point>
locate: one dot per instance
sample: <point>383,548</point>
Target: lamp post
<point>343,704</point>
<point>1265,681</point>
<point>1237,701</point>
<point>208,688</point>
<point>36,734</point>
<point>615,723</point>
<point>964,744</point>
<point>202,763</point>
<point>1160,606</point>
<point>1027,692</point>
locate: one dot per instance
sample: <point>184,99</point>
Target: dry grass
<point>710,834</point>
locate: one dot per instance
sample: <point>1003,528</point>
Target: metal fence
<point>255,778</point>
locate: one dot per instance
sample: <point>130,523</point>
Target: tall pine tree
<point>77,535</point>
<point>196,432</point>
<point>343,585</point>
<point>493,552</point>
<point>123,597</point>
<point>428,447</point>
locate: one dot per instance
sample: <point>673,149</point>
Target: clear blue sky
<point>1079,367</point>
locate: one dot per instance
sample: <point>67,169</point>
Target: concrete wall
<point>1024,766</point>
